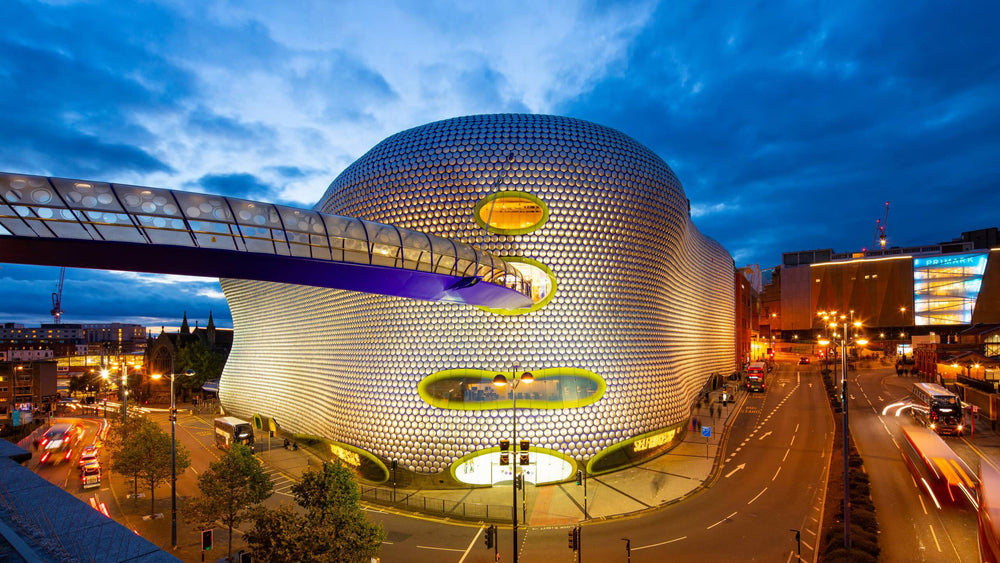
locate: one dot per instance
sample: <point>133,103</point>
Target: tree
<point>205,363</point>
<point>334,528</point>
<point>141,449</point>
<point>125,456</point>
<point>230,490</point>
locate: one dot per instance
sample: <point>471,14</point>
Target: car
<point>803,360</point>
<point>90,475</point>
<point>88,455</point>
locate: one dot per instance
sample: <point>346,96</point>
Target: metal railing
<point>436,506</point>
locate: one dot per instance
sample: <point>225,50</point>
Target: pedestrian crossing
<point>282,482</point>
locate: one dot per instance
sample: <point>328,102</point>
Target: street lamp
<point>173,452</point>
<point>501,381</point>
<point>847,429</point>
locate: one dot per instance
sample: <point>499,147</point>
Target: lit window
<point>511,213</point>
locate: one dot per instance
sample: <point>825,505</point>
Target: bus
<point>937,408</point>
<point>229,429</point>
<point>937,468</point>
<point>755,377</point>
<point>57,443</point>
<point>989,513</point>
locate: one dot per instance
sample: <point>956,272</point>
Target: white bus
<point>937,408</point>
<point>230,430</point>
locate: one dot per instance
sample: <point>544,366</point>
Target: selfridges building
<point>633,310</point>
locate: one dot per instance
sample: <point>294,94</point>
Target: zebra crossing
<point>281,481</point>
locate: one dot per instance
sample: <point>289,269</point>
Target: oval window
<point>511,213</point>
<point>540,279</point>
<point>473,389</point>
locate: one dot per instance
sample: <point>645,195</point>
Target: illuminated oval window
<point>511,213</point>
<point>541,282</point>
<point>473,389</point>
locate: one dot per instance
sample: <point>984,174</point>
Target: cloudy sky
<point>790,125</point>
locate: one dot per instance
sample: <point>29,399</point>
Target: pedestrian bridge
<point>84,224</point>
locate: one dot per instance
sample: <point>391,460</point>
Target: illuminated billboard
<point>945,288</point>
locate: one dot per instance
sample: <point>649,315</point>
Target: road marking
<point>776,473</point>
<point>472,543</point>
<point>807,545</point>
<point>764,435</point>
<point>936,544</point>
<point>655,544</point>
<point>738,467</point>
<point>441,548</point>
<point>922,505</point>
<point>721,521</point>
<point>758,495</point>
<point>796,429</point>
<point>792,442</point>
<point>786,454</point>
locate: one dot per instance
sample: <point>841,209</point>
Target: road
<point>771,482</point>
<point>912,527</point>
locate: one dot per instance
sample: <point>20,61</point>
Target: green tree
<point>230,490</point>
<point>152,450</point>
<point>334,528</point>
<point>205,363</point>
<point>125,455</point>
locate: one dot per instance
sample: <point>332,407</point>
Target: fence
<point>443,507</point>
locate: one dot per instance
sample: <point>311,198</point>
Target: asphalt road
<point>912,527</point>
<point>771,482</point>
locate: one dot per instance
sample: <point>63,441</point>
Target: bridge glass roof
<point>37,206</point>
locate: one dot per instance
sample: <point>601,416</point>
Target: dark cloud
<point>245,186</point>
<point>73,95</point>
<point>103,296</point>
<point>803,122</point>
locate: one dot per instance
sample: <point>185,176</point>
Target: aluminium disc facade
<point>633,302</point>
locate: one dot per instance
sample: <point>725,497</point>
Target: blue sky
<point>789,125</point>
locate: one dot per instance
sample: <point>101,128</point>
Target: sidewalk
<point>663,480</point>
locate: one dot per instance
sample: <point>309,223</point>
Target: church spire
<point>185,329</point>
<point>211,323</point>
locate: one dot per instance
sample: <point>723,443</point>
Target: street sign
<point>706,431</point>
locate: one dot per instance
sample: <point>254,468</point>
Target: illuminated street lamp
<point>845,397</point>
<point>501,381</point>
<point>173,452</point>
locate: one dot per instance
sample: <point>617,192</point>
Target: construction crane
<point>880,228</point>
<point>57,311</point>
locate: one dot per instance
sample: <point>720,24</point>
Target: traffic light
<point>579,477</point>
<point>505,458</point>
<point>206,540</point>
<point>490,536</point>
<point>574,538</point>
<point>519,482</point>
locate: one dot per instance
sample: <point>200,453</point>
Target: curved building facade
<point>633,307</point>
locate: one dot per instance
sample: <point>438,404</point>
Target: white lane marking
<point>776,473</point>
<point>738,467</point>
<point>764,435</point>
<point>796,429</point>
<point>786,454</point>
<point>721,521</point>
<point>807,545</point>
<point>758,495</point>
<point>439,548</point>
<point>936,544</point>
<point>922,505</point>
<point>659,544</point>
<point>792,442</point>
<point>471,543</point>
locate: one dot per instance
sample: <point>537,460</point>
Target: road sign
<point>706,431</point>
